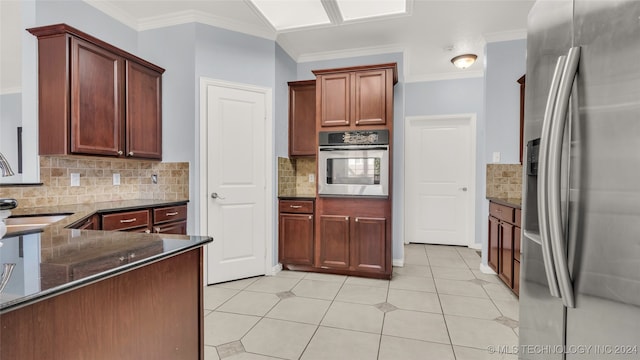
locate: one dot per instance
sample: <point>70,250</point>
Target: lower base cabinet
<point>504,244</point>
<point>152,312</point>
<point>295,232</point>
<point>354,237</point>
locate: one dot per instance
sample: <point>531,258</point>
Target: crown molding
<point>11,90</point>
<point>114,12</point>
<point>341,54</point>
<point>518,34</point>
<point>443,76</point>
<point>190,16</point>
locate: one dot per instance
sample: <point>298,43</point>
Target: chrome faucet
<point>5,169</point>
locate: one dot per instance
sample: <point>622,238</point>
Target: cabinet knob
<point>130,153</point>
<point>346,218</point>
<point>310,217</point>
<point>356,219</point>
<point>132,255</point>
<point>147,231</point>
<point>120,152</point>
<point>157,229</point>
<point>121,258</point>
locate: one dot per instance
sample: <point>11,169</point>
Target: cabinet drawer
<point>125,220</point>
<point>501,212</point>
<point>296,206</point>
<point>170,213</point>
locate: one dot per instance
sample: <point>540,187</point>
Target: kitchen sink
<point>29,223</point>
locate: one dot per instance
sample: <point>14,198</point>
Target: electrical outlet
<point>312,178</point>
<point>75,179</point>
<point>116,179</point>
<point>154,178</point>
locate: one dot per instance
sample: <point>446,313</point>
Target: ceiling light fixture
<point>464,61</point>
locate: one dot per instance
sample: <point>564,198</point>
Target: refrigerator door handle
<point>543,219</point>
<point>558,241</point>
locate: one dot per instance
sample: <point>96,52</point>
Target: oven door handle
<point>384,148</point>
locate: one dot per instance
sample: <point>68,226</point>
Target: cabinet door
<point>505,263</point>
<point>368,240</point>
<point>370,98</point>
<point>334,242</point>
<point>144,112</point>
<point>494,237</point>
<point>97,102</point>
<point>516,277</point>
<point>302,118</point>
<point>296,239</point>
<point>335,99</point>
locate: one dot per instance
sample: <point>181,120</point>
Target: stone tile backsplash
<point>293,177</point>
<point>504,181</point>
<point>96,181</point>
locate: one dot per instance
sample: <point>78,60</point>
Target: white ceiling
<point>430,34</point>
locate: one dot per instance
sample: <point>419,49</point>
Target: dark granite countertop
<point>58,260</point>
<point>297,197</point>
<point>512,202</point>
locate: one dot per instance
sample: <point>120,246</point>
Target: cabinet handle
<point>172,213</point>
<point>127,221</point>
<point>130,153</point>
<point>120,152</point>
<point>295,206</point>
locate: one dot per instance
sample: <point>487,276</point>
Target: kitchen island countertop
<point>58,260</point>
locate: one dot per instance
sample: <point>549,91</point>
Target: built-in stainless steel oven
<point>353,163</point>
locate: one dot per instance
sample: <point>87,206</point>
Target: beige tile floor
<point>438,306</point>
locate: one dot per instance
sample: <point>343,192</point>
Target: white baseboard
<point>475,246</point>
<point>486,269</point>
<point>398,262</point>
<point>275,269</point>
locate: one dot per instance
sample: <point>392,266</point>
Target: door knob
<point>215,195</point>
<point>463,188</point>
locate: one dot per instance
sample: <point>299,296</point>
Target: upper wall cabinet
<point>96,99</point>
<point>355,97</point>
<point>302,118</point>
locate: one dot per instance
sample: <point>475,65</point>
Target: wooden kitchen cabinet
<point>354,237</point>
<point>170,220</point>
<point>295,232</point>
<point>504,243</point>
<point>96,99</point>
<point>355,97</point>
<point>334,242</point>
<point>126,220</point>
<point>302,118</point>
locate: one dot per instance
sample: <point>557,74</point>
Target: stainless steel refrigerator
<point>580,276</point>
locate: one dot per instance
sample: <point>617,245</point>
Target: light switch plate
<point>75,179</point>
<point>116,179</point>
<point>496,156</point>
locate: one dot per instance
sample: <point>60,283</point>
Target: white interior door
<point>237,170</point>
<point>439,163</point>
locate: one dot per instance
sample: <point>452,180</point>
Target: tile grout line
<point>441,308</point>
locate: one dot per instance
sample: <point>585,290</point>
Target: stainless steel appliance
<point>580,276</point>
<point>353,163</point>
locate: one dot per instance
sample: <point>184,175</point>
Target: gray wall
<point>459,96</point>
<point>506,63</point>
<point>285,71</point>
<point>304,73</point>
